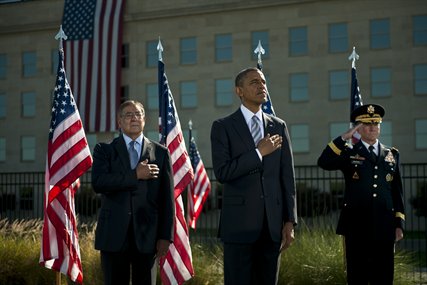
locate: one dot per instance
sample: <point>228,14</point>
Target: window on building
<point>380,33</point>
<point>152,91</point>
<point>380,82</point>
<point>298,87</point>
<point>223,48</point>
<point>2,149</point>
<point>338,37</point>
<point>419,26</point>
<point>262,36</point>
<point>386,133</point>
<point>420,78</point>
<point>188,94</point>
<point>3,66</point>
<point>224,92</point>
<point>421,134</point>
<point>298,42</point>
<point>28,148</point>
<point>337,129</point>
<point>124,93</point>
<point>55,61</point>
<point>300,138</point>
<point>28,104</point>
<point>152,56</point>
<point>339,85</point>
<point>188,49</point>
<point>3,107</point>
<point>29,63</point>
<point>125,56</point>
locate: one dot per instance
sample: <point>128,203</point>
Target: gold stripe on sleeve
<point>334,148</point>
<point>400,215</point>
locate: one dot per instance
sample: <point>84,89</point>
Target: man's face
<point>132,121</point>
<point>253,91</point>
<point>370,132</point>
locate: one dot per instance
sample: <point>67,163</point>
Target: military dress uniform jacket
<point>373,197</point>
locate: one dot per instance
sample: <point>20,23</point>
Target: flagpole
<point>60,36</point>
<point>267,107</point>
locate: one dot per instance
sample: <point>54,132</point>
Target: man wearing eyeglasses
<point>372,214</point>
<point>134,177</point>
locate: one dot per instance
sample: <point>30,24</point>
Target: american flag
<point>199,187</point>
<point>93,62</point>
<point>355,100</point>
<point>177,266</point>
<point>68,157</point>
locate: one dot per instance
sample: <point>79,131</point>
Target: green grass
<point>315,257</point>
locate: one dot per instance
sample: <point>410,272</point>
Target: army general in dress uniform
<point>372,215</point>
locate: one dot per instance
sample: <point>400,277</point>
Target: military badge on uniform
<point>357,159</point>
<point>389,177</point>
<point>390,158</point>
<point>355,175</point>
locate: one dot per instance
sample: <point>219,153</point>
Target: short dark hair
<point>238,82</point>
<point>128,103</point>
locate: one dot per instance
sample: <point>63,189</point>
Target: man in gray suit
<point>252,157</point>
<point>134,177</point>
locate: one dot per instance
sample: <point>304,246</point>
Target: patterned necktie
<point>372,153</point>
<point>256,129</point>
<point>133,154</point>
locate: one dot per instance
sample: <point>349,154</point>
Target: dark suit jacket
<point>148,204</point>
<point>252,187</point>
<point>373,198</point>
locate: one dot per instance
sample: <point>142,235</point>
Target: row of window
<point>339,84</point>
<point>338,41</point>
<point>300,137</point>
<point>339,87</point>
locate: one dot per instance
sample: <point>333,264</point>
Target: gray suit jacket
<point>148,204</point>
<point>252,187</point>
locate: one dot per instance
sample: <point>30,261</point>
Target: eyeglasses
<point>129,116</point>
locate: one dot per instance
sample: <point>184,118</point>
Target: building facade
<point>206,43</point>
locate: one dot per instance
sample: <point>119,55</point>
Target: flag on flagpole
<point>177,266</point>
<point>355,95</point>
<point>93,59</point>
<point>68,157</point>
<point>267,107</point>
<point>199,187</point>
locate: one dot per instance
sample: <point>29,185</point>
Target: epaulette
<point>394,150</point>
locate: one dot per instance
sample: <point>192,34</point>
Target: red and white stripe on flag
<point>93,59</point>
<point>68,157</point>
<point>199,187</point>
<point>177,266</point>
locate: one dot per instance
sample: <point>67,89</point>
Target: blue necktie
<point>256,129</point>
<point>133,154</point>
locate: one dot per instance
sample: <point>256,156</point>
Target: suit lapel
<point>122,150</point>
<point>147,151</point>
<point>242,129</point>
<point>269,126</point>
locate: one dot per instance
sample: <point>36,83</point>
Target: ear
<point>238,91</point>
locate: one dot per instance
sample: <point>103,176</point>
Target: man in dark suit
<point>372,216</point>
<point>252,157</point>
<point>134,177</point>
